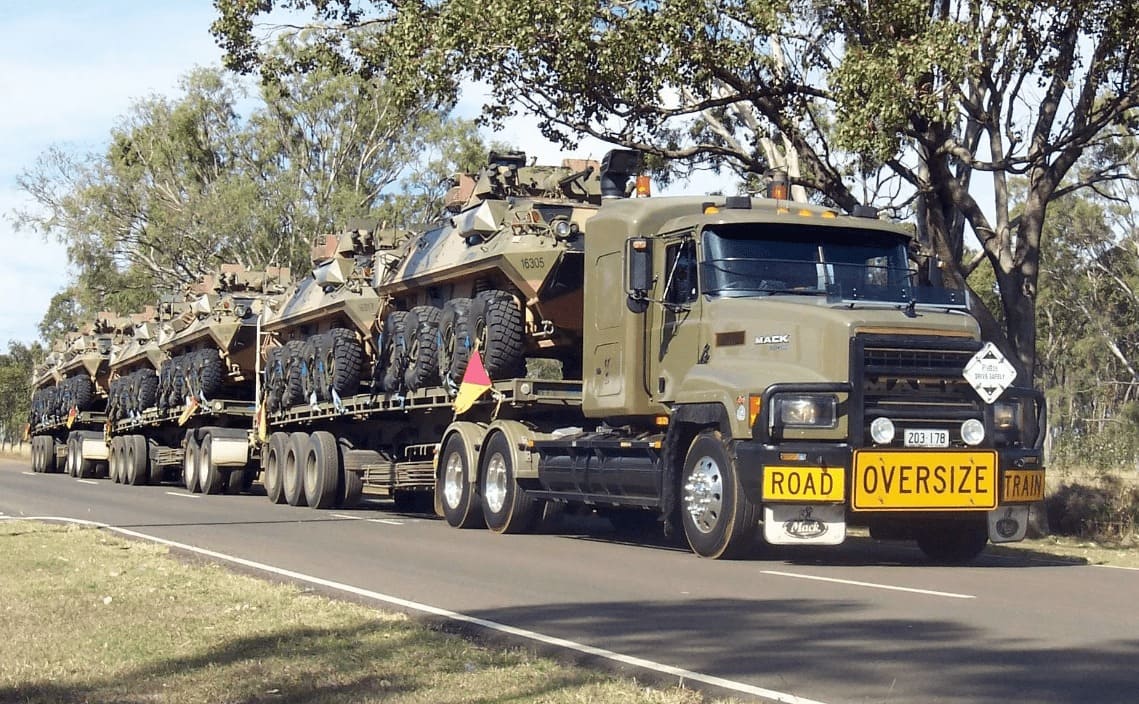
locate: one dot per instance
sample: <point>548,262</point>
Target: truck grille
<point>915,381</point>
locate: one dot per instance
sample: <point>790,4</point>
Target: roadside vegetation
<point>90,617</point>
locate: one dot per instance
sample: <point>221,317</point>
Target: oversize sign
<point>931,480</point>
<point>803,484</point>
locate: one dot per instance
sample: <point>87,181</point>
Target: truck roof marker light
<point>782,211</point>
<point>640,244</point>
<point>829,215</point>
<point>644,188</point>
<point>804,213</point>
<point>709,208</point>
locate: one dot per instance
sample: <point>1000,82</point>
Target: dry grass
<point>90,617</point>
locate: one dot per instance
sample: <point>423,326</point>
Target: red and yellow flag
<point>72,415</point>
<point>189,410</point>
<point>476,382</point>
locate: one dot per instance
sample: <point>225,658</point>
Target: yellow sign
<point>803,484</point>
<point>935,480</point>
<point>1023,485</point>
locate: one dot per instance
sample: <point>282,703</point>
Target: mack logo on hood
<point>772,339</point>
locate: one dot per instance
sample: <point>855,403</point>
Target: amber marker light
<point>644,187</point>
<point>662,420</point>
<point>754,403</point>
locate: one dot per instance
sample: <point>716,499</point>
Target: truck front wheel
<point>953,541</point>
<point>719,521</point>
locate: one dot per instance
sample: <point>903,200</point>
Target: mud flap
<point>802,524</point>
<point>1008,524</point>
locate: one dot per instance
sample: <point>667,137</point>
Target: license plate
<point>964,480</point>
<point>915,437</point>
<point>803,484</point>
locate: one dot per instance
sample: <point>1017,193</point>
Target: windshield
<point>779,259</point>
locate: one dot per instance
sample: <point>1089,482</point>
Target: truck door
<point>676,341</point>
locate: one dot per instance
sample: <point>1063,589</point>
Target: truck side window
<point>680,270</point>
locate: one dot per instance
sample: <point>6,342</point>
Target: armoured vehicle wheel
<point>274,465</point>
<point>497,327</point>
<point>953,541</point>
<point>274,380</point>
<point>454,341</point>
<point>461,505</point>
<point>394,354</point>
<point>82,392</point>
<point>178,383</point>
<point>139,453</point>
<point>295,371</point>
<point>422,325</point>
<point>210,477</point>
<point>506,506</point>
<point>321,473</point>
<point>190,464</point>
<point>147,390</point>
<point>291,479</point>
<point>718,519</point>
<point>344,362</point>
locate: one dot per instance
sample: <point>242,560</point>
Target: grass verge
<point>91,617</point>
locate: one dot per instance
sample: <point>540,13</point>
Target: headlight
<point>1006,416</point>
<point>882,431</point>
<point>807,410</point>
<point>972,432</point>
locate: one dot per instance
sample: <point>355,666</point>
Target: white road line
<point>385,521</point>
<point>88,481</point>
<point>873,585</point>
<point>350,518</point>
<point>29,474</point>
<point>183,495</point>
<point>712,680</point>
<point>1117,567</point>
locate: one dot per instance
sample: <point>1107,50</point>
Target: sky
<point>69,70</point>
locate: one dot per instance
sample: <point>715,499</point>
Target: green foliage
<point>15,391</point>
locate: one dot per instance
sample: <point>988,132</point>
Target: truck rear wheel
<point>37,454</point>
<point>953,541</point>
<point>321,474</point>
<point>461,506</point>
<point>422,334</point>
<point>497,325</point>
<point>274,467</point>
<point>138,453</point>
<point>506,506</point>
<point>51,460</point>
<point>210,477</point>
<point>291,480</point>
<point>84,468</point>
<point>115,461</point>
<point>719,521</point>
<point>71,456</point>
<point>454,342</point>
<point>190,464</point>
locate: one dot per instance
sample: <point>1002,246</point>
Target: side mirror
<point>638,272</point>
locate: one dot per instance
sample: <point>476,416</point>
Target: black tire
<point>72,456</point>
<point>82,392</point>
<point>51,462</point>
<point>351,488</point>
<point>291,480</point>
<point>454,342</point>
<point>147,391</point>
<point>190,465</point>
<point>953,541</point>
<point>115,463</point>
<point>139,451</point>
<point>295,371</point>
<point>321,473</point>
<point>209,372</point>
<point>165,384</point>
<point>37,455</point>
<point>319,383</point>
<point>84,468</point>
<point>462,506</point>
<point>274,379</point>
<point>344,362</point>
<point>719,520</point>
<point>394,355</point>
<point>179,386</point>
<point>211,478</point>
<point>274,464</point>
<point>422,326</point>
<point>506,506</point>
<point>497,328</point>
<point>235,481</point>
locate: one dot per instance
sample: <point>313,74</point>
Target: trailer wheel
<point>190,464</point>
<point>132,467</point>
<point>460,503</point>
<point>51,461</point>
<point>291,480</point>
<point>321,469</point>
<point>70,460</point>
<point>953,541</point>
<point>497,327</point>
<point>84,468</point>
<point>210,476</point>
<point>506,506</point>
<point>139,452</point>
<point>454,342</point>
<point>274,463</point>
<point>351,488</point>
<point>115,460</point>
<point>422,325</point>
<point>344,362</point>
<point>719,521</point>
<point>37,451</point>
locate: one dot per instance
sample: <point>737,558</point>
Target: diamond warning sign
<point>989,373</point>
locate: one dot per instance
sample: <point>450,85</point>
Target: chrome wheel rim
<point>453,477</point>
<point>495,490</point>
<point>704,494</point>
